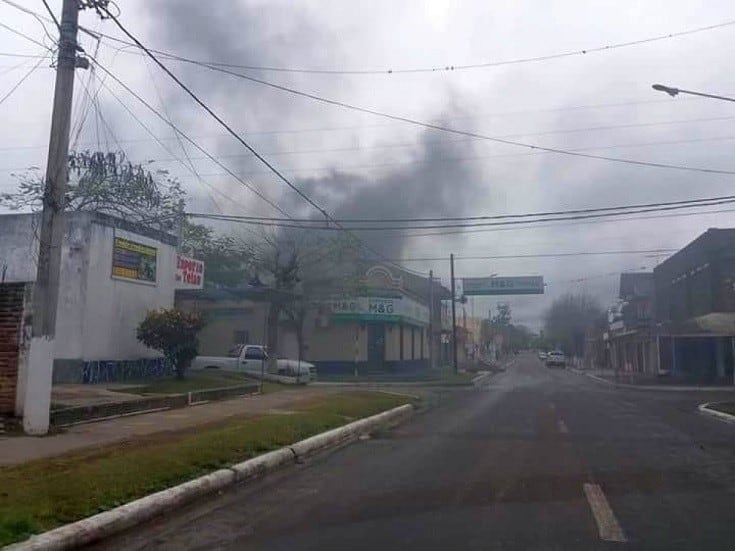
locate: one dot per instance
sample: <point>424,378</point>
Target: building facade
<point>112,273</point>
<point>386,327</point>
<point>383,324</point>
<point>631,336</point>
<point>695,308</point>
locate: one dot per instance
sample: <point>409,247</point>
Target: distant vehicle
<point>252,359</point>
<point>556,358</point>
<point>542,356</point>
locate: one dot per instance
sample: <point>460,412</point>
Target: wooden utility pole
<point>431,319</point>
<point>454,316</point>
<point>46,288</point>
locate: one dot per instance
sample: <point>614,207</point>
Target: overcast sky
<point>359,165</point>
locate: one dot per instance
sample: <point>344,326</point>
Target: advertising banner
<point>132,260</point>
<point>189,273</point>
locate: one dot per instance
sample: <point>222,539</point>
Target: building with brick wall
<point>112,272</point>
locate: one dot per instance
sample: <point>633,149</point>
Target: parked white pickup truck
<point>253,360</point>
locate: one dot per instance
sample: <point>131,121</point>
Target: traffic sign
<point>523,285</point>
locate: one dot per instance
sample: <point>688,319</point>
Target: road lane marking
<point>563,427</point>
<point>607,524</point>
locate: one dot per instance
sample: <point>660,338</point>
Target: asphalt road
<point>536,459</point>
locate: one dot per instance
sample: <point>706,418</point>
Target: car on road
<point>542,356</point>
<point>556,358</point>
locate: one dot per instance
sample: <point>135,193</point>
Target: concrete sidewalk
<point>645,383</point>
<point>19,449</point>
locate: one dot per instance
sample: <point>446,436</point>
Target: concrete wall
<point>393,342</point>
<point>228,322</point>
<point>336,342</point>
<point>97,314</point>
<point>116,306</point>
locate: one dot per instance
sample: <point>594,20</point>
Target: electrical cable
<point>390,71</point>
<point>22,80</point>
<point>50,12</point>
<point>11,54</point>
<point>29,38</point>
<point>477,135</point>
<point>190,140</point>
<point>464,226</point>
<point>539,255</point>
<point>230,130</point>
<point>684,202</point>
<point>443,68</point>
<point>573,223</point>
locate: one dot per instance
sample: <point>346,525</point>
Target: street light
<point>670,90</point>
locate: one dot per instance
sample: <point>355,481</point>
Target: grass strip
<point>724,407</point>
<point>46,493</point>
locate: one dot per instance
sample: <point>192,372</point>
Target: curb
<point>722,416</point>
<point>104,525</point>
<point>661,388</point>
<point>397,384</point>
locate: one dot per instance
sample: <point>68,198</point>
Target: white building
<point>112,272</point>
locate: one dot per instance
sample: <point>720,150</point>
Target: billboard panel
<point>133,260</point>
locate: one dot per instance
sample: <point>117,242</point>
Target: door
<point>376,345</point>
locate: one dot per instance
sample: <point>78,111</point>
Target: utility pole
<point>37,394</point>
<point>431,319</point>
<point>454,316</point>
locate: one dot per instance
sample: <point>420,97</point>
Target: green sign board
<point>524,285</point>
<point>132,260</point>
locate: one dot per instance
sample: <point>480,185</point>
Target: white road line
<point>563,427</point>
<point>607,524</point>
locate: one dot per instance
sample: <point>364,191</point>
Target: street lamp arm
<point>675,91</point>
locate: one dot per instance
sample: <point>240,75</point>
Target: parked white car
<point>253,360</point>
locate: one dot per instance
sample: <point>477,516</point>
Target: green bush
<point>174,333</point>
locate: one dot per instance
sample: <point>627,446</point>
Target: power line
<point>680,204</point>
<point>51,13</point>
<point>391,71</point>
<point>229,129</point>
<point>11,54</point>
<point>23,35</point>
<point>447,67</point>
<point>463,225</point>
<point>539,255</point>
<point>191,141</point>
<point>455,140</point>
<point>22,80</point>
<point>441,128</point>
<point>573,223</point>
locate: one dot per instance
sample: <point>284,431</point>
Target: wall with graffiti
<point>124,370</point>
<point>110,371</point>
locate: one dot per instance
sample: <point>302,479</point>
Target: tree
<point>299,270</point>
<point>503,316</point>
<point>230,259</point>
<point>174,333</point>
<point>108,183</point>
<point>568,319</point>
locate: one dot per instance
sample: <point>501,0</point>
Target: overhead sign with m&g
<point>523,285</point>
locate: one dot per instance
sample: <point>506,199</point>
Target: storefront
<point>369,333</point>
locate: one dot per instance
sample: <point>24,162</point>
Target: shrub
<point>174,333</point>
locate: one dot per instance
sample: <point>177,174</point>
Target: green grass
<point>46,493</point>
<point>444,375</point>
<point>198,380</point>
<point>724,407</point>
